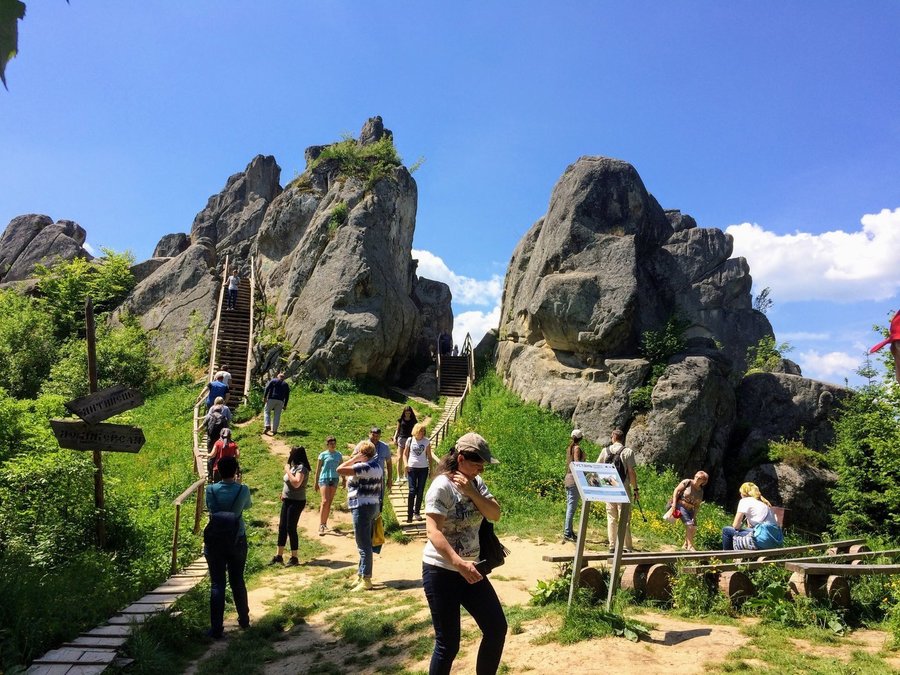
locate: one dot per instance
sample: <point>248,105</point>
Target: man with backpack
<point>225,546</point>
<point>217,418</point>
<point>623,459</point>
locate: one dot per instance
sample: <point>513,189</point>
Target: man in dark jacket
<point>276,399</point>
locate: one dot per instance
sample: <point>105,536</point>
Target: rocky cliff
<point>35,239</point>
<point>605,265</point>
<point>333,262</point>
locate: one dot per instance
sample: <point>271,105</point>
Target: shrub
<point>794,453</point>
<point>370,163</point>
<point>338,217</point>
<point>640,398</point>
<point>765,356</point>
<point>27,344</point>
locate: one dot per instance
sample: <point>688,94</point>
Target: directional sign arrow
<point>109,437</point>
<point>105,403</point>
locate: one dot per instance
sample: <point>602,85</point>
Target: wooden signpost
<point>97,406</point>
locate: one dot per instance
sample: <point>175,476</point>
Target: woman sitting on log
<point>762,529</point>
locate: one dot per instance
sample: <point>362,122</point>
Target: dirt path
<point>674,646</point>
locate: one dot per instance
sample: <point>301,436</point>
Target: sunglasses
<point>473,457</point>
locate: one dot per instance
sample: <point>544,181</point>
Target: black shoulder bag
<point>493,553</point>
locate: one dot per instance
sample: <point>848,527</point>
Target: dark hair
<point>298,457</point>
<point>450,462</point>
<point>411,412</point>
<point>570,451</point>
<point>228,467</point>
<point>618,435</point>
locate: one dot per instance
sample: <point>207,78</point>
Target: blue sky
<point>778,121</point>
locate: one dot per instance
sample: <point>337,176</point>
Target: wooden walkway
<point>92,652</point>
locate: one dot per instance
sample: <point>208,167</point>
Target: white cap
<point>577,434</point>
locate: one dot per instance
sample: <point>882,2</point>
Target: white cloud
<point>90,249</point>
<point>838,266</point>
<point>830,367</point>
<point>476,324</point>
<point>466,290</point>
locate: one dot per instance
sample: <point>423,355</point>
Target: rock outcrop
<point>171,245</point>
<point>35,239</point>
<point>604,266</point>
<point>803,491</point>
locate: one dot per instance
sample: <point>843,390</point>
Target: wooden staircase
<point>454,375</point>
<point>233,342</point>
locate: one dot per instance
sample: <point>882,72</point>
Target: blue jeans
<point>446,591</point>
<point>571,505</point>
<point>363,518</point>
<point>233,562</point>
<point>417,479</point>
<point>728,535</point>
<point>231,298</point>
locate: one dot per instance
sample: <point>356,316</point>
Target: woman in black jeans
<point>455,505</point>
<point>293,501</point>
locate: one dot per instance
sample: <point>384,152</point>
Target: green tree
<point>66,286</point>
<point>27,344</point>
<point>765,356</point>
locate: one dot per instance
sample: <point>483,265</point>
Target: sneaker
<point>408,519</point>
<point>244,625</point>
<point>276,560</point>
<point>322,529</point>
<point>612,549</point>
<point>419,516</point>
<point>266,430</point>
<point>365,584</point>
<point>214,634</point>
<point>293,562</point>
<point>569,536</point>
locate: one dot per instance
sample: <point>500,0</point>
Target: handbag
<point>378,531</point>
<point>768,535</point>
<point>492,552</point>
<point>669,516</point>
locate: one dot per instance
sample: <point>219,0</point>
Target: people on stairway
<point>217,388</point>
<point>293,501</point>
<point>419,465</point>
<point>225,372</point>
<point>404,430</point>
<point>445,342</point>
<point>225,546</point>
<point>455,351</point>
<point>234,281</point>
<point>364,489</point>
<point>276,397</point>
<point>217,418</point>
<point>327,480</point>
<point>222,448</point>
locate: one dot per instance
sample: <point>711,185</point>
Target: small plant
<point>640,398</point>
<point>338,217</point>
<point>337,386</point>
<point>371,162</point>
<point>794,453</point>
<point>554,590</point>
<point>658,347</point>
<point>765,356</point>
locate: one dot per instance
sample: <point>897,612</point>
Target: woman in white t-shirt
<point>418,459</point>
<point>754,509</point>
<point>456,503</point>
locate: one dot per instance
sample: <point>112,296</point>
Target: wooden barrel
<point>838,591</point>
<point>736,586</point>
<point>658,585</point>
<point>634,578</point>
<point>592,578</point>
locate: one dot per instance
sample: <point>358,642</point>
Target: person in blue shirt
<point>383,454</point>
<point>217,388</point>
<point>229,557</point>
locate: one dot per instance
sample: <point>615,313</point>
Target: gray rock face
<point>232,217</point>
<point>803,491</point>
<point>165,300</point>
<point>144,269</point>
<point>691,420</point>
<point>432,300</point>
<point>171,245</point>
<point>772,406</point>
<point>35,239</point>
<point>343,284</point>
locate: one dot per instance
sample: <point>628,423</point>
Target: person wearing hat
<point>327,480</point>
<point>383,453</point>
<point>364,484</point>
<point>893,339</point>
<point>224,447</point>
<point>456,503</point>
<point>574,453</point>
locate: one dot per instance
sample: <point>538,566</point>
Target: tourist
<point>754,509</point>
<point>217,388</point>
<point>404,431</point>
<point>222,448</point>
<point>364,499</point>
<point>226,552</point>
<point>231,298</point>
<point>327,480</point>
<point>383,454</point>
<point>686,498</point>
<point>275,399</point>
<point>225,372</point>
<point>574,453</point>
<point>623,459</point>
<point>419,464</point>
<point>217,418</point>
<point>293,501</point>
<point>456,503</point>
<point>893,339</point>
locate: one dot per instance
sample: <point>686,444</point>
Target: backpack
<point>221,532</point>
<point>616,460</point>
<point>215,423</point>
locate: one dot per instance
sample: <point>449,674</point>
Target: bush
<point>27,344</point>
<point>794,453</point>
<point>641,398</point>
<point>765,356</point>
<point>371,162</point>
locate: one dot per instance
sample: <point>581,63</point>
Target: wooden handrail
<point>198,487</point>
<point>250,336</point>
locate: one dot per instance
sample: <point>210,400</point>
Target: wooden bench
<point>829,582</point>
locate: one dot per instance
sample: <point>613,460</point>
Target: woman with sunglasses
<point>455,505</point>
<point>327,480</point>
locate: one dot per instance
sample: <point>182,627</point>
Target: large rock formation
<point>605,265</point>
<point>35,239</point>
<point>333,258</point>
